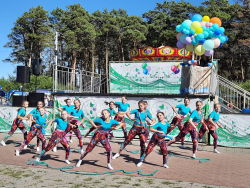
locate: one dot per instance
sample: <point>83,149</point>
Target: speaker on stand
<point>33,98</point>
<point>37,68</point>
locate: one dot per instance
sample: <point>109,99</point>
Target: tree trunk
<point>120,40</point>
<point>231,68</point>
<point>73,68</point>
<point>242,69</point>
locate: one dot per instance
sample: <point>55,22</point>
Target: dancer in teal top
<point>183,110</point>
<point>211,125</point>
<point>35,111</point>
<point>120,116</point>
<point>105,124</point>
<point>160,131</point>
<point>139,128</point>
<point>17,123</point>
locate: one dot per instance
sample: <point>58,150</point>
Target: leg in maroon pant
<point>202,132</point>
<point>215,136</point>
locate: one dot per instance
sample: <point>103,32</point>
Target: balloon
<point>206,34</point>
<point>216,42</point>
<point>192,61</point>
<point>192,37</point>
<point>204,28</point>
<point>189,62</point>
<point>145,71</point>
<point>215,26</point>
<point>180,45</point>
<point>203,23</point>
<point>226,38</point>
<point>178,28</point>
<point>178,36</point>
<point>217,32</point>
<point>185,25</point>
<point>205,19</point>
<point>195,63</point>
<point>199,50</point>
<point>149,68</point>
<point>209,64</point>
<point>202,41</point>
<point>189,22</point>
<point>192,31</point>
<point>177,71</point>
<point>188,40</point>
<point>189,48</point>
<point>195,42</point>
<point>216,20</point>
<point>195,25</point>
<point>144,65</point>
<point>196,17</point>
<point>183,37</point>
<point>208,45</point>
<point>220,45</point>
<point>200,36</point>
<point>199,30</point>
<point>222,29</point>
<point>173,68</point>
<point>222,39</point>
<point>185,31</point>
<point>209,53</point>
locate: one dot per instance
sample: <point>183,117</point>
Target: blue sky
<point>10,10</point>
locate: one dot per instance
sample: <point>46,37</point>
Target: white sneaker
<point>3,143</point>
<point>82,151</point>
<point>110,167</point>
<point>67,161</point>
<point>54,149</point>
<point>183,147</point>
<point>139,164</point>
<point>165,166</point>
<point>216,151</point>
<point>194,156</point>
<point>38,159</point>
<point>37,149</point>
<point>25,147</point>
<point>116,156</point>
<point>78,164</point>
<point>146,144</point>
<point>17,153</point>
<point>71,141</point>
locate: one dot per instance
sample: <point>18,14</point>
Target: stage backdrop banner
<point>236,130</point>
<point>92,107</point>
<point>8,114</point>
<point>145,77</point>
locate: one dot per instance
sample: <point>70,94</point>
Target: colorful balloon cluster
<point>146,68</point>
<point>175,68</point>
<point>201,34</point>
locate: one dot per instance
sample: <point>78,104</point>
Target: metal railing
<point>69,80</point>
<point>232,95</point>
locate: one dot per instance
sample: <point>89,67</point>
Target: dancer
<point>76,114</point>
<point>211,125</point>
<point>160,130</point>
<point>35,111</point>
<point>112,113</point>
<point>180,115</point>
<point>191,127</point>
<point>36,130</point>
<point>139,128</point>
<point>68,107</point>
<point>101,135</point>
<point>120,116</point>
<point>18,123</point>
<point>58,136</point>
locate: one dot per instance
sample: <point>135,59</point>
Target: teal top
<point>183,110</point>
<point>62,125</point>
<point>77,113</point>
<point>68,108</point>
<point>122,107</point>
<point>112,113</point>
<point>196,116</point>
<point>215,116</point>
<point>34,111</point>
<point>142,115</point>
<point>21,112</point>
<point>160,127</point>
<point>105,126</point>
<point>40,121</point>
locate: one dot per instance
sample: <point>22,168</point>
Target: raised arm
<point>118,127</point>
<point>52,121</point>
<point>156,131</point>
<point>22,118</point>
<point>129,116</point>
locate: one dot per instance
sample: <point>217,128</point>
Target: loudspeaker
<point>33,98</point>
<point>18,100</point>
<point>37,66</point>
<point>23,74</point>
